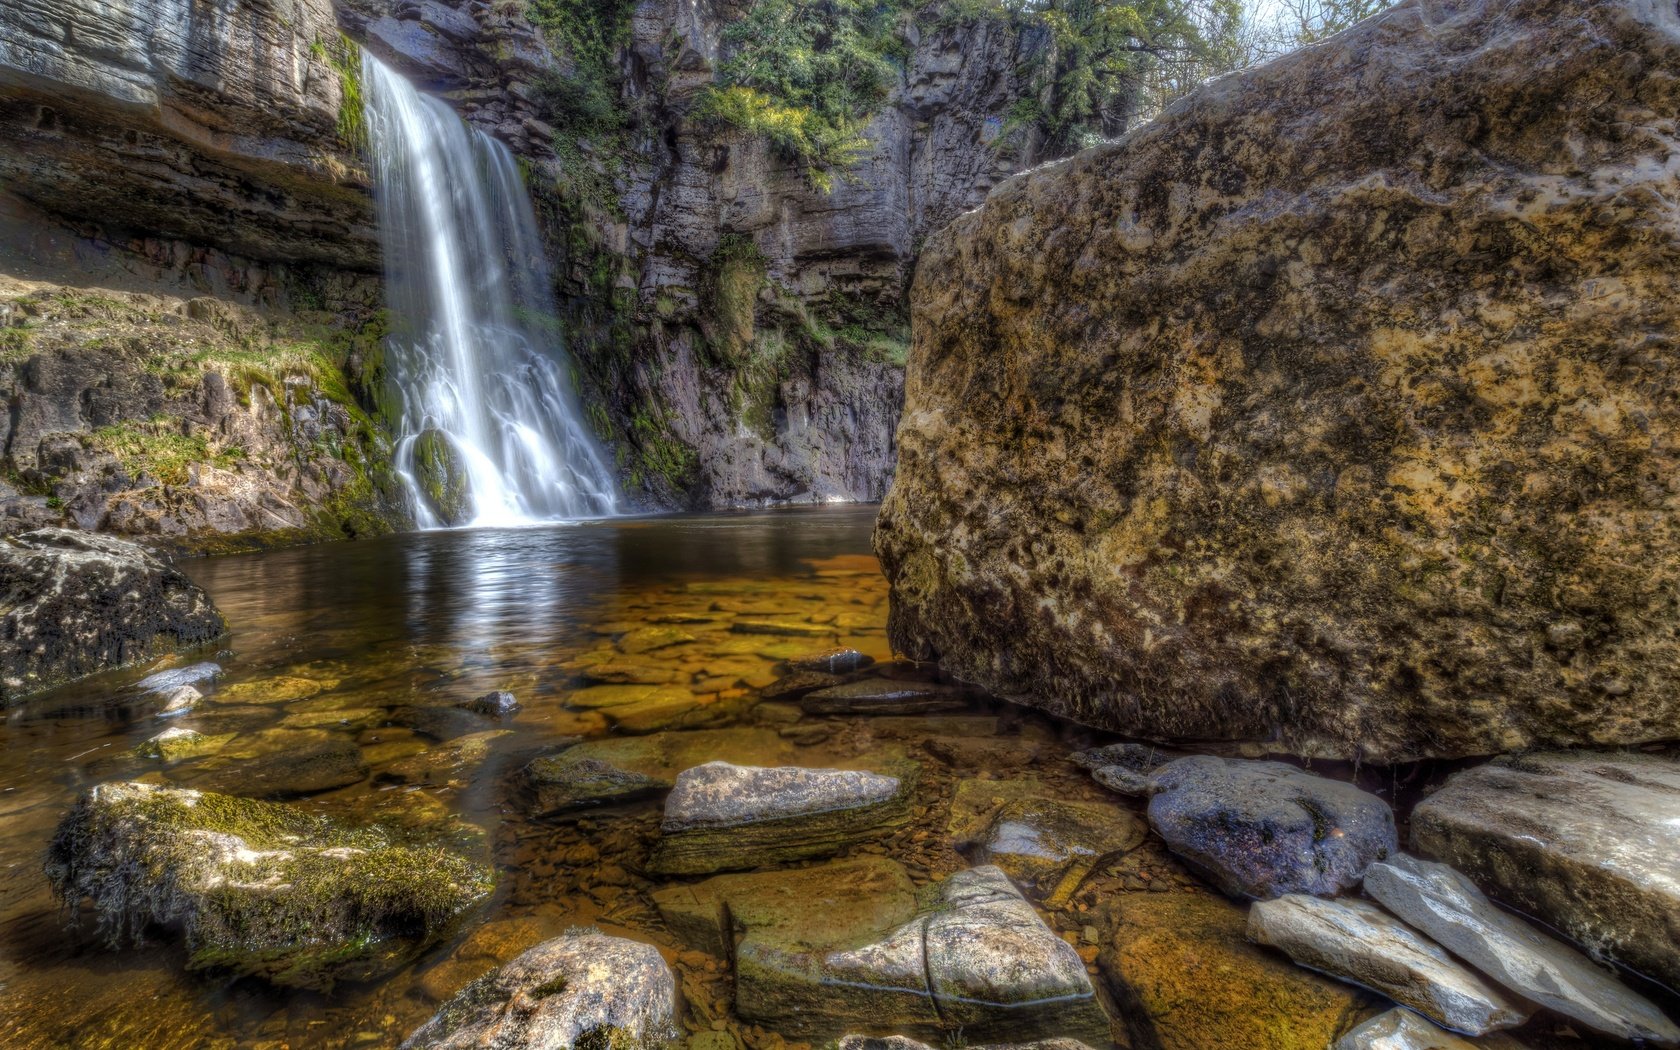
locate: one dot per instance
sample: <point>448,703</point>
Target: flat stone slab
<point>598,772</point>
<point>1048,846</point>
<point>831,661</point>
<point>1448,907</point>
<point>1588,843</point>
<point>1360,942</point>
<point>557,996</point>
<point>881,696</point>
<point>1265,829</point>
<point>797,683</point>
<point>826,950</point>
<point>1401,1029</point>
<point>721,816</point>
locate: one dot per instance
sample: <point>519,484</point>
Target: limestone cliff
<point>1332,411</point>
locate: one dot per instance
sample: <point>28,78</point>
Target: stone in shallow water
<point>1124,768</point>
<point>1264,829</point>
<point>258,888</point>
<point>1448,907</point>
<point>900,1042</point>
<point>1359,942</point>
<point>878,696</point>
<point>790,628</point>
<point>280,764</point>
<point>449,764</point>
<point>1401,1029</point>
<point>797,684</point>
<point>179,701</point>
<point>722,816</point>
<point>832,948</point>
<point>175,677</point>
<point>499,704</point>
<point>1185,977</point>
<point>581,989</point>
<point>178,742</point>
<point>1048,846</point>
<point>618,770</point>
<point>1588,843</point>
<point>831,661</point>
<point>649,639</point>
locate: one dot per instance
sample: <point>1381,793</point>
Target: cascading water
<point>490,432</point>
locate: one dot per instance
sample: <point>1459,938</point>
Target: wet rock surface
<point>884,697</point>
<point>258,888</point>
<point>1588,843</point>
<point>720,816</point>
<point>1447,907</point>
<point>583,989</point>
<point>1265,829</point>
<point>1047,846</point>
<point>1404,1030</point>
<point>1359,942</point>
<point>601,771</point>
<point>76,604</point>
<point>1257,373</point>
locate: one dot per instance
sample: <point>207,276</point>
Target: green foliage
<point>1308,21</point>
<point>585,101</point>
<point>737,274</point>
<point>345,57</point>
<point>808,75</point>
<point>159,449</point>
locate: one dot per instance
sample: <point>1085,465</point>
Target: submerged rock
<point>900,1042</point>
<point>831,661</point>
<point>1400,1029</point>
<point>878,696</point>
<point>258,888</point>
<point>175,677</point>
<point>584,990</point>
<point>823,950</point>
<point>178,742</point>
<point>1449,908</point>
<point>282,764</point>
<point>1588,843</point>
<point>499,704</point>
<point>721,816</point>
<point>797,684</point>
<point>1264,829</point>
<point>1185,977</point>
<point>1254,426</point>
<point>75,603</point>
<point>1048,846</point>
<point>1124,768</point>
<point>179,701</point>
<point>1359,942</point>
<point>625,769</point>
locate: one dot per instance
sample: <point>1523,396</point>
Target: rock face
<point>1323,409</point>
<point>1265,829</point>
<point>720,816</point>
<point>580,990</point>
<point>76,604</point>
<point>1359,942</point>
<point>258,888</point>
<point>1445,905</point>
<point>1588,843</point>
<point>1404,1030</point>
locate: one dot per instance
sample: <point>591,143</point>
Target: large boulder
<point>72,604</point>
<point>1589,843</point>
<point>1332,408</point>
<point>256,887</point>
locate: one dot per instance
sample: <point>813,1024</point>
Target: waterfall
<point>490,431</point>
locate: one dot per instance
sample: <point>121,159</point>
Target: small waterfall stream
<point>490,430</point>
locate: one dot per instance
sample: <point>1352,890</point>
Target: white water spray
<point>475,352</point>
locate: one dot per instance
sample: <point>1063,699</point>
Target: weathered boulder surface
<point>258,888</point>
<point>1359,942</point>
<point>1324,410</point>
<point>1401,1029</point>
<point>584,989</point>
<point>1265,829</point>
<point>720,816</point>
<point>1447,907</point>
<point>76,604</point>
<point>1588,843</point>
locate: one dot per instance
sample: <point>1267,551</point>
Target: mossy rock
<point>259,888</point>
<point>441,474</point>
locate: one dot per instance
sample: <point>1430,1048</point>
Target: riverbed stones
<point>1401,1029</point>
<point>824,950</point>
<point>879,696</point>
<point>452,764</point>
<point>179,701</point>
<point>178,742</point>
<point>1124,768</point>
<point>75,603</point>
<point>797,684</point>
<point>577,991</point>
<point>497,704</point>
<point>1360,942</point>
<point>624,769</point>
<point>1588,843</point>
<point>1265,829</point>
<point>1250,426</point>
<point>1049,846</point>
<point>721,816</point>
<point>1448,907</point>
<point>280,764</point>
<point>1185,977</point>
<point>258,888</point>
<point>831,661</point>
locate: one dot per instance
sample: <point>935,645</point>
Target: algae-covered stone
<point>721,816</point>
<point>258,888</point>
<point>621,770</point>
<point>1185,977</point>
<point>1322,410</point>
<point>280,764</point>
<point>1588,843</point>
<point>178,742</point>
<point>76,603</point>
<point>449,764</point>
<point>441,474</point>
<point>580,991</point>
<point>1264,829</point>
<point>1048,846</point>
